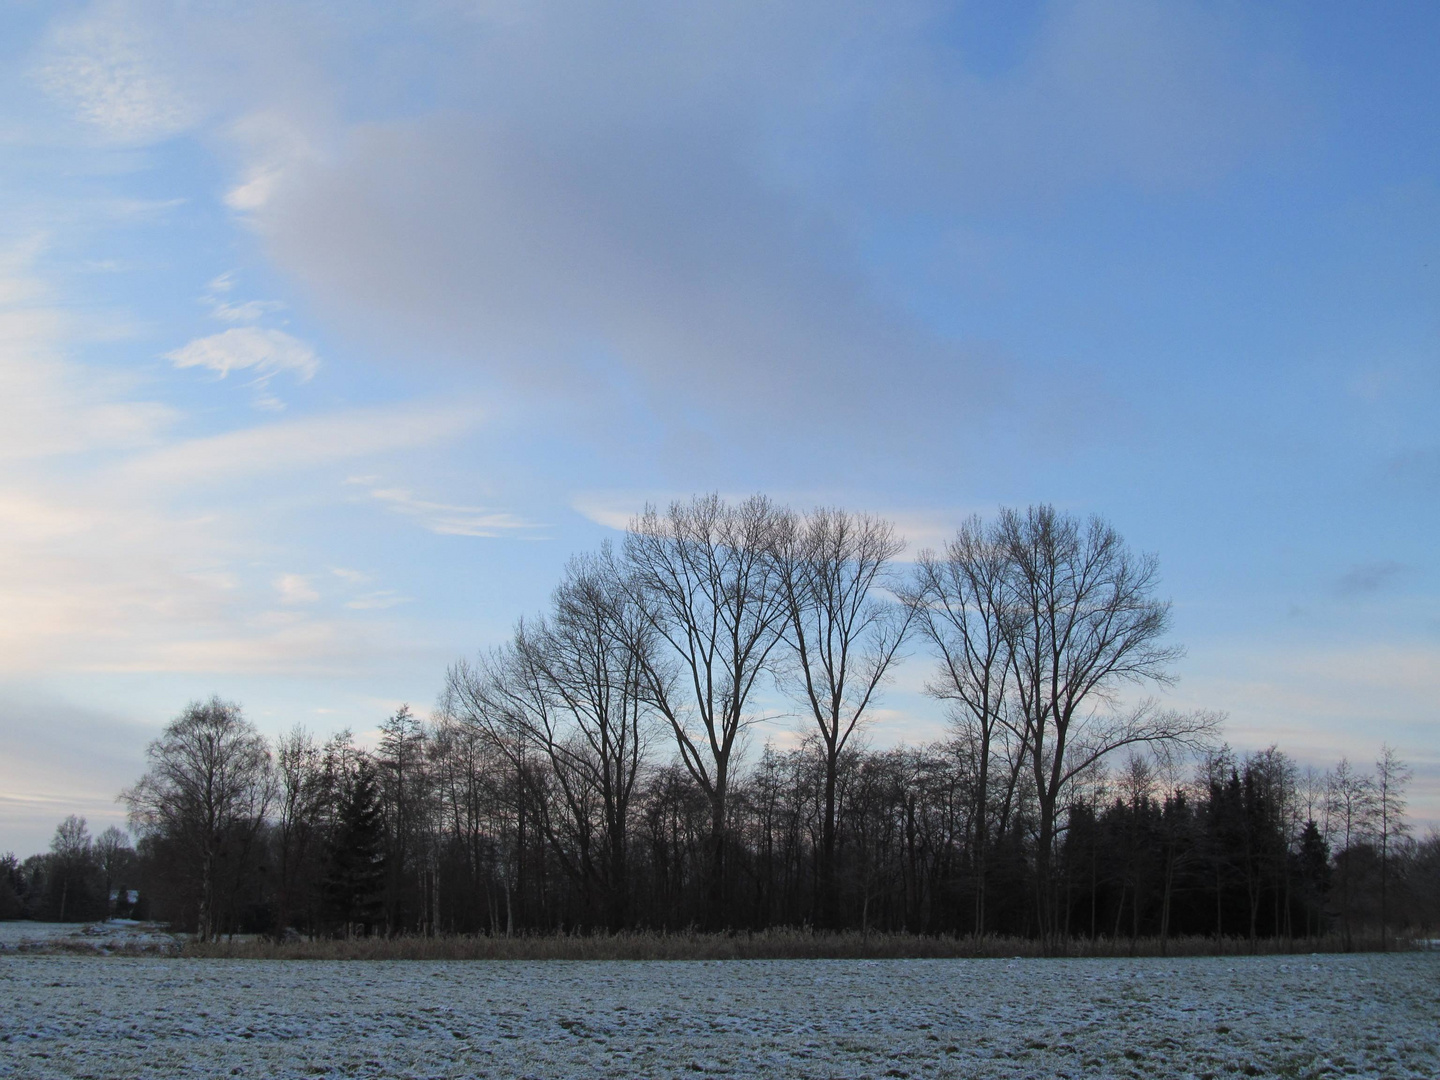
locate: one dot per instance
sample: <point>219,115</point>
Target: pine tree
<point>1314,860</point>
<point>355,883</point>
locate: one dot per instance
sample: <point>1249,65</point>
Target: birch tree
<point>208,787</point>
<point>1391,776</point>
<point>1350,805</point>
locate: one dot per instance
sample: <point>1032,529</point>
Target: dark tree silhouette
<point>354,886</point>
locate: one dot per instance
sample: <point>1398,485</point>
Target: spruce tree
<point>355,881</point>
<point>1314,868</point>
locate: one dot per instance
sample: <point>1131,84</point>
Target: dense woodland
<point>591,775</point>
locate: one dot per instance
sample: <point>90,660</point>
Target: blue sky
<point>329,331</point>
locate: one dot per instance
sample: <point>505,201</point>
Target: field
<point>104,938</point>
<point>1291,1016</point>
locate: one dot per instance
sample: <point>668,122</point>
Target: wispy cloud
<point>449,519</point>
<point>104,70</point>
<point>378,601</point>
<point>274,145</point>
<point>301,444</point>
<point>241,311</point>
<point>295,589</point>
<point>610,510</point>
<point>266,353</point>
<point>918,528</point>
<point>113,553</point>
<point>245,311</point>
<point>301,646</point>
<point>48,403</point>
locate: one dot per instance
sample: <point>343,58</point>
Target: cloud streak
<point>448,519</point>
<point>300,444</point>
<point>248,348</point>
<point>108,72</point>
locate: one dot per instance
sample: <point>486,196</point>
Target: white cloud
<point>272,144</point>
<point>96,579</point>
<point>245,311</point>
<point>298,444</point>
<point>610,510</point>
<point>616,509</point>
<point>303,646</point>
<point>109,74</point>
<point>248,348</point>
<point>110,557</point>
<point>449,519</point>
<point>248,311</point>
<point>378,601</point>
<point>49,404</point>
<point>919,529</point>
<point>295,589</point>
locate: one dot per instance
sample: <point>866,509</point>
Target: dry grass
<point>776,944</point>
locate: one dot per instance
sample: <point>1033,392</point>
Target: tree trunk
<point>1165,902</point>
<point>828,899</point>
<point>716,917</point>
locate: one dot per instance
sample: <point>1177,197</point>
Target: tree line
<point>590,773</point>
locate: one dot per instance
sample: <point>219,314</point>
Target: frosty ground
<point>103,938</point>
<point>1292,1016</point>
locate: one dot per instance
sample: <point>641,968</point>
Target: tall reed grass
<point>773,944</point>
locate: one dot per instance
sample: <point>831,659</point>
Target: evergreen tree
<point>355,883</point>
<point>12,887</point>
<point>1314,860</point>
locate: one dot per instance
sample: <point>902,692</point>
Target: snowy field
<point>113,935</point>
<point>1276,1016</point>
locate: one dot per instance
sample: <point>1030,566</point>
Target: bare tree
<point>505,696</point>
<point>1391,776</point>
<point>844,634</point>
<point>468,774</point>
<point>1350,805</point>
<point>570,691</point>
<point>405,783</point>
<point>1086,623</point>
<point>961,605</point>
<point>208,788</point>
<point>114,856</point>
<point>72,856</point>
<point>597,652</point>
<point>300,804</point>
<point>704,577</point>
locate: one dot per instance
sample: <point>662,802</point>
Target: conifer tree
<point>355,884</point>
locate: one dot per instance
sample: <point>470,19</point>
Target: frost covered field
<point>1365,1015</point>
<point>98,937</point>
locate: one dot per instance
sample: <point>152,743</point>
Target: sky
<point>330,331</point>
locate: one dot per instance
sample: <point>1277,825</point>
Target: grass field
<point>1203,1018</point>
